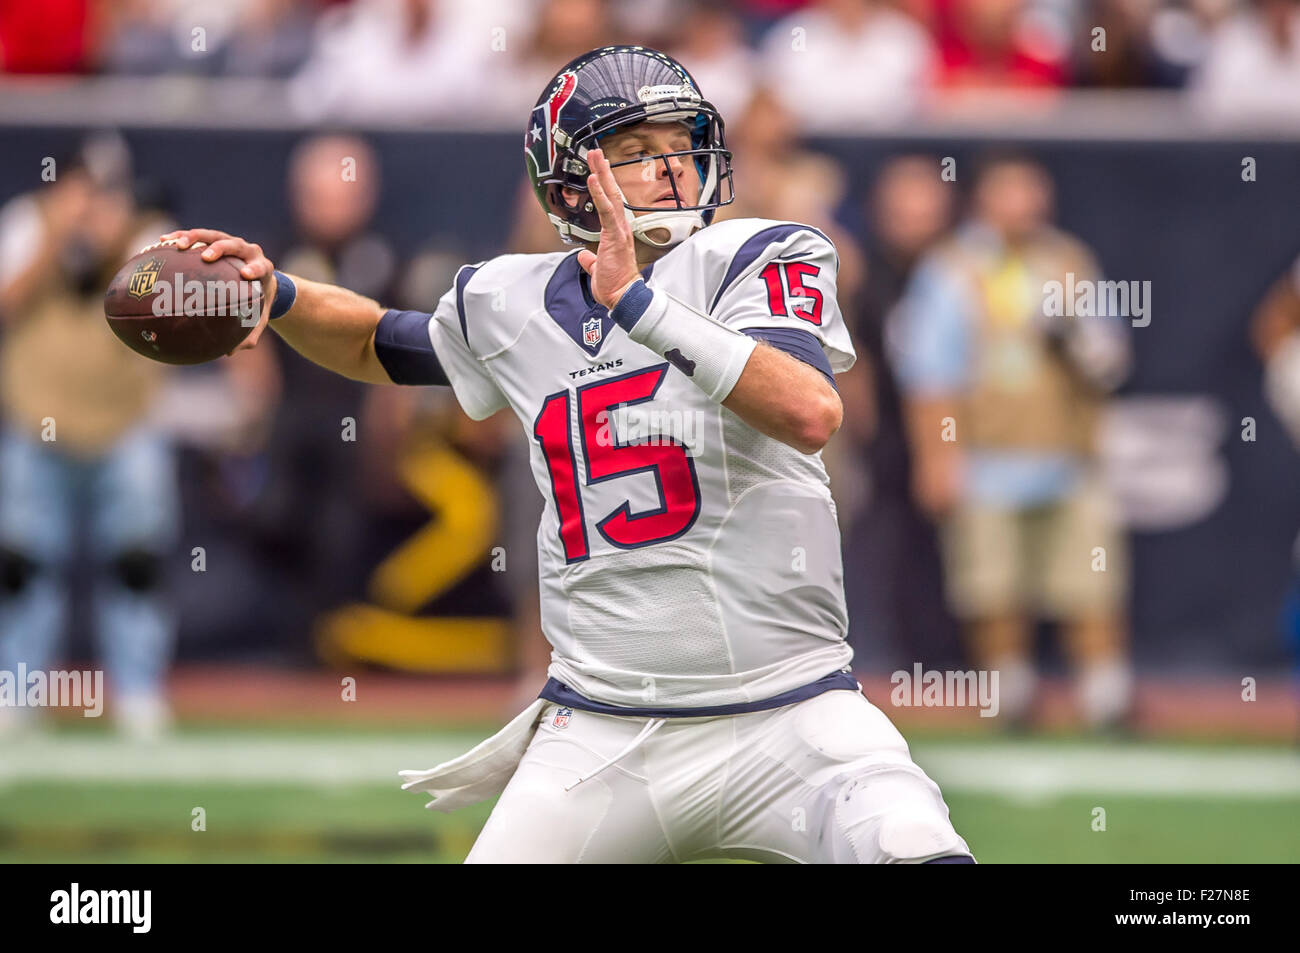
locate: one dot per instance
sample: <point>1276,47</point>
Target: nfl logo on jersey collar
<point>562,716</point>
<point>570,305</point>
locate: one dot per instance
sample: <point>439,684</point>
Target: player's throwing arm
<point>326,324</point>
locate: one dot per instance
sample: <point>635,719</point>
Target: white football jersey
<point>686,560</point>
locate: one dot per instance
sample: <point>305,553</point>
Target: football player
<point>675,381</point>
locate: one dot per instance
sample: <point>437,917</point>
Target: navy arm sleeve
<point>402,345</point>
<point>798,344</point>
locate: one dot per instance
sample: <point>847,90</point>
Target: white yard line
<point>1021,770</point>
<point>1035,771</point>
<point>233,759</point>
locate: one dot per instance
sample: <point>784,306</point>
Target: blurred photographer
<point>1002,396</point>
<point>77,455</point>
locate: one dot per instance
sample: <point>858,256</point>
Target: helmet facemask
<point>657,226</point>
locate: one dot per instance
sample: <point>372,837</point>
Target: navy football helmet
<point>607,90</point>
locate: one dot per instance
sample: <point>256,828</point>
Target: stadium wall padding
<point>1206,595</point>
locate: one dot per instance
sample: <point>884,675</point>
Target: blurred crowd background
<point>1120,503</point>
<point>871,61</point>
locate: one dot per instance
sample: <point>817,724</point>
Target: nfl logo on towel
<point>562,717</point>
<point>591,332</point>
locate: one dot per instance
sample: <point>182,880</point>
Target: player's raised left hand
<point>613,267</point>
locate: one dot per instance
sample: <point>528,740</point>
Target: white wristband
<point>710,354</point>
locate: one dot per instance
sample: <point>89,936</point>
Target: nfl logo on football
<point>591,332</point>
<point>562,716</point>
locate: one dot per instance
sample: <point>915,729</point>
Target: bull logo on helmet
<point>539,140</point>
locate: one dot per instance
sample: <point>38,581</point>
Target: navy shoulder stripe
<point>753,247</point>
<point>462,279</point>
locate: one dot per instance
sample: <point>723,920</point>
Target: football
<point>170,305</point>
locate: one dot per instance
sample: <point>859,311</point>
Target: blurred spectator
<point>54,36</point>
<point>412,60</point>
<point>1275,330</point>
<point>77,449</point>
<point>1180,31</point>
<point>895,596</point>
<point>238,38</point>
<point>1131,56</point>
<point>271,38</point>
<point>847,63</point>
<point>334,185</point>
<point>149,37</point>
<point>375,510</point>
<point>711,44</point>
<point>307,519</point>
<point>1276,334</point>
<point>1252,69</point>
<point>759,15</point>
<point>1002,399</point>
<point>138,38</point>
<point>987,44</point>
<point>525,59</point>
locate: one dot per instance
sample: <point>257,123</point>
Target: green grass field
<point>278,794</point>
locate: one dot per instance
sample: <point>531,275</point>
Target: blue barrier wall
<point>1175,213</point>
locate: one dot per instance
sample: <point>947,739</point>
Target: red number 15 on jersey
<point>607,459</point>
<point>785,279</point>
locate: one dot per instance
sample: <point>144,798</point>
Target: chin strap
<point>675,226</point>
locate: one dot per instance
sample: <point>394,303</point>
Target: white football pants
<point>826,780</point>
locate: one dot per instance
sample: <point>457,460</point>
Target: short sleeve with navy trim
<point>783,277</point>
